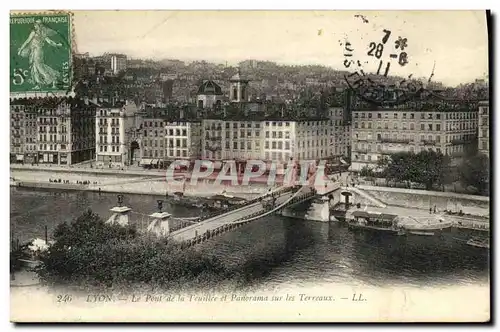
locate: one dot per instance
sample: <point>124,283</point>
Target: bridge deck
<point>254,209</point>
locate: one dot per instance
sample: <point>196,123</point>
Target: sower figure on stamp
<point>41,73</point>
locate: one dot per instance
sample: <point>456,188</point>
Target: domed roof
<point>209,88</point>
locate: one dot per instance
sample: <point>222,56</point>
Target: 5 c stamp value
<point>40,52</point>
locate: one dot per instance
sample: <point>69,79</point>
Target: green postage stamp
<point>40,52</point>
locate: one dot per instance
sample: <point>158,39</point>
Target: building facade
<point>118,63</point>
<point>115,124</point>
<point>266,139</point>
<point>52,131</point>
<point>183,139</point>
<point>339,133</point>
<point>484,128</point>
<point>379,132</point>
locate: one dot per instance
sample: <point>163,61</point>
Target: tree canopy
<point>429,168</point>
<point>88,252</point>
<point>475,172</point>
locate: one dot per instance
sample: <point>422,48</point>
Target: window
<point>412,126</point>
<point>395,125</point>
<point>280,134</point>
<point>395,115</point>
<point>369,115</point>
<point>266,145</point>
<point>369,125</point>
<point>274,145</point>
<point>362,125</point>
<point>267,134</point>
<point>422,126</point>
<point>386,125</point>
<point>430,126</point>
<point>438,116</point>
<point>379,115</point>
<point>235,145</point>
<point>438,127</point>
<point>355,125</point>
<point>287,145</point>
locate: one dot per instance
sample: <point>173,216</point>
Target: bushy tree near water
<point>426,167</point>
<point>89,252</point>
<point>475,172</point>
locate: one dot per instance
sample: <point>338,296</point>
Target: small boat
<point>378,222</point>
<point>424,226</point>
<point>421,233</point>
<point>479,242</point>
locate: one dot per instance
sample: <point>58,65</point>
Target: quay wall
<point>422,199</point>
<point>148,184</point>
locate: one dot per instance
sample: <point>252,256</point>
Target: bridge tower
<point>160,223</point>
<point>120,214</point>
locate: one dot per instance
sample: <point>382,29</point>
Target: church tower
<point>238,89</point>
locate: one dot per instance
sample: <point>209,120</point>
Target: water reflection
<point>277,250</point>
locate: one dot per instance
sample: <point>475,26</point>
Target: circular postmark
<point>381,88</point>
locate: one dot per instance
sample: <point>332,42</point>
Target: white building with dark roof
<point>209,95</point>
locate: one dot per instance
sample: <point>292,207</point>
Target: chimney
<point>86,100</point>
<point>181,113</point>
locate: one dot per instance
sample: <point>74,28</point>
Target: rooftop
<point>209,88</point>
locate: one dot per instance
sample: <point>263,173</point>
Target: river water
<point>277,251</point>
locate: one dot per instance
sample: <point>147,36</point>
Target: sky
<point>454,43</point>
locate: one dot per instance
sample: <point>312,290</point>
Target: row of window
<point>114,139</point>
<point>430,116</point>
<point>104,148</point>
<point>423,126</point>
<point>114,131</point>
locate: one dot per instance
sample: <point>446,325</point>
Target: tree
<point>474,172</point>
<point>88,252</point>
<point>426,167</point>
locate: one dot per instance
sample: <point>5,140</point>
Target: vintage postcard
<point>249,166</point>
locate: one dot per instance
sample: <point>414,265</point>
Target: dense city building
<point>339,132</point>
<point>183,139</point>
<point>53,130</point>
<point>379,131</point>
<point>118,63</point>
<point>266,139</point>
<point>114,136</point>
<point>484,128</point>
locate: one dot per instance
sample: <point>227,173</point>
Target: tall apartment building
<point>377,132</point>
<point>339,132</point>
<point>23,129</point>
<point>166,136</point>
<point>484,128</point>
<point>265,139</point>
<point>118,63</point>
<point>53,130</point>
<point>183,139</point>
<point>114,136</point>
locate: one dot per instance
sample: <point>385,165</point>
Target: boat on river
<point>479,242</point>
<point>373,221</point>
<point>424,225</point>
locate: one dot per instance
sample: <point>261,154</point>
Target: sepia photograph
<point>250,166</point>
